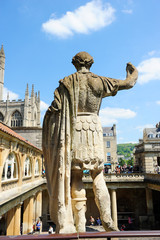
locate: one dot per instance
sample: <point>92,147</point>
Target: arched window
<point>1,117</point>
<point>36,167</point>
<point>158,135</point>
<point>27,167</point>
<point>16,119</point>
<point>10,169</point>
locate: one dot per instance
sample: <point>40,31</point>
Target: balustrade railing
<point>87,235</point>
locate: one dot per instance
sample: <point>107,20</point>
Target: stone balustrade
<point>124,177</point>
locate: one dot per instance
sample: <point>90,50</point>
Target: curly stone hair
<point>82,59</point>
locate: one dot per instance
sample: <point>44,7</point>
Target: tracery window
<point>37,167</point>
<point>1,117</point>
<point>10,169</point>
<point>16,119</point>
<point>27,167</point>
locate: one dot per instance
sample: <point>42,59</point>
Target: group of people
<point>94,222</point>
<point>124,169</point>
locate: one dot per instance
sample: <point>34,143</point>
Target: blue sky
<point>40,37</point>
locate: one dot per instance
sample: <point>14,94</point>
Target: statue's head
<point>82,59</point>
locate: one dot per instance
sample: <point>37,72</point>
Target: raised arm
<point>132,75</point>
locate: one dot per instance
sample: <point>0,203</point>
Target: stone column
<point>17,219</point>
<point>149,202</point>
<point>25,216</point>
<point>38,205</point>
<point>10,222</point>
<point>30,214</point>
<point>114,206</point>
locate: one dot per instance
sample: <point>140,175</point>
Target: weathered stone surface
<point>73,142</point>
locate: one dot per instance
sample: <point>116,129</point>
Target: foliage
<point>125,149</point>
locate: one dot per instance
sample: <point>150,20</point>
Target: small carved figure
<point>73,142</point>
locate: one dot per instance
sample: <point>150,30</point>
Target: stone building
<point>21,183</point>
<point>147,152</point>
<point>21,115</point>
<point>110,146</point>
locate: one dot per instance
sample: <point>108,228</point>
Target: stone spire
<point>27,91</point>
<point>2,66</point>
<point>32,93</point>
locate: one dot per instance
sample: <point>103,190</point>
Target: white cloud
<point>111,115</point>
<point>149,70</point>
<point>128,11</point>
<point>43,106</point>
<point>158,102</point>
<point>12,95</point>
<point>141,128</point>
<point>92,16</point>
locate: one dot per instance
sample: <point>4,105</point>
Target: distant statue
<point>73,142</point>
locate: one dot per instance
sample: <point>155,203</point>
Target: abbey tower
<point>23,116</point>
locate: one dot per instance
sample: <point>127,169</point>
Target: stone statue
<point>73,142</point>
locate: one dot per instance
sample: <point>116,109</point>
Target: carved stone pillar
<point>10,222</point>
<point>17,219</point>
<point>114,206</point>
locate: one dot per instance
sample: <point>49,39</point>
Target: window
<point>1,117</point>
<point>37,167</point>
<point>150,135</point>
<point>108,145</point>
<point>16,119</point>
<point>110,134</point>
<point>10,169</point>
<point>108,156</point>
<point>104,134</point>
<point>158,135</point>
<point>27,167</point>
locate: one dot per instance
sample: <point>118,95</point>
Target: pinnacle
<point>2,50</point>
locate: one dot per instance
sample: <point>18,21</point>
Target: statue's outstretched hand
<point>132,75</point>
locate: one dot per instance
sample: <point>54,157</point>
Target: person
<point>38,226</point>
<point>98,221</point>
<point>92,221</point>
<point>50,231</point>
<point>73,141</point>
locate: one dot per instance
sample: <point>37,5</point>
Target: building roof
<point>107,129</point>
<point>153,131</point>
<point>12,133</point>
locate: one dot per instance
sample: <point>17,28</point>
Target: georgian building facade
<point>21,183</point>
<point>110,146</point>
<point>147,152</point>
